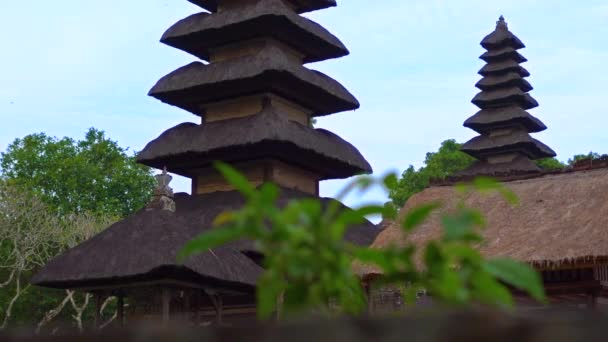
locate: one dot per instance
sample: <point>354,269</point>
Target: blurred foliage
<point>308,264</point>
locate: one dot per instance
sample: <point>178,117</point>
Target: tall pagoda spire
<point>504,144</point>
<point>255,97</point>
<point>255,100</point>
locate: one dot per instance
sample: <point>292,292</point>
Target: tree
<point>447,161</point>
<point>30,235</point>
<point>437,165</point>
<point>550,164</point>
<point>579,157</point>
<point>54,194</point>
<point>92,175</point>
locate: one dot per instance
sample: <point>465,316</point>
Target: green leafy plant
<point>308,264</point>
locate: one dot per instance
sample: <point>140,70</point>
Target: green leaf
<point>223,218</point>
<point>391,181</point>
<point>236,179</point>
<point>485,184</point>
<point>517,274</point>
<point>461,225</point>
<point>418,215</point>
<point>210,239</point>
<point>490,291</point>
<point>269,289</point>
<point>359,215</point>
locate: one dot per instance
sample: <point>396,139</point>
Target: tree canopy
<point>437,165</point>
<point>446,162</point>
<point>92,175</point>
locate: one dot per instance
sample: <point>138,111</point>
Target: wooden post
<point>593,300</point>
<point>97,319</point>
<point>187,306</point>
<point>166,300</point>
<point>121,310</point>
<point>370,299</point>
<point>220,308</point>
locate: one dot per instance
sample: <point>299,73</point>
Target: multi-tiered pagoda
<point>559,224</point>
<point>504,144</point>
<point>255,100</point>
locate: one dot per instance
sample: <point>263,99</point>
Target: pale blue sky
<point>66,65</point>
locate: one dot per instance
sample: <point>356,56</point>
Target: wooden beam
<point>121,310</point>
<point>97,318</point>
<point>160,282</point>
<point>166,302</point>
<point>220,305</point>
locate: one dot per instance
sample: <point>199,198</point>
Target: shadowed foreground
<point>538,326</point>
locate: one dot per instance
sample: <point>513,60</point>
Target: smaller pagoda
<point>504,145</point>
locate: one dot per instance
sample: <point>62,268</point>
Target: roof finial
<point>163,194</point>
<point>501,23</point>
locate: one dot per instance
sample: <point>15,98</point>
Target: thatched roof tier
<point>501,54</point>
<point>560,221</point>
<point>264,135</point>
<point>300,6</point>
<point>504,96</point>
<point>499,68</point>
<point>519,141</point>
<point>501,38</point>
<point>520,165</point>
<point>269,71</point>
<point>200,33</point>
<point>488,119</point>
<point>510,79</point>
<point>143,248</point>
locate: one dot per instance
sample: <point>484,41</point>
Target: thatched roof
<point>301,6</point>
<point>510,79</point>
<point>500,67</point>
<point>269,71</point>
<point>486,119</point>
<point>143,247</point>
<point>517,140</point>
<point>501,37</point>
<point>562,219</point>
<point>267,134</point>
<point>199,33</point>
<point>503,54</point>
<point>510,95</point>
<point>519,165</point>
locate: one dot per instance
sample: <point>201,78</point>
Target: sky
<point>67,65</point>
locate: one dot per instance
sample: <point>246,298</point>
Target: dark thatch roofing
<point>560,220</point>
<point>520,165</point>
<point>301,6</point>
<point>501,38</point>
<point>508,96</point>
<point>510,79</point>
<point>501,67</point>
<point>201,32</point>
<point>516,141</point>
<point>486,119</point>
<point>267,71</point>
<point>264,135</point>
<point>503,54</point>
<point>143,247</point>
